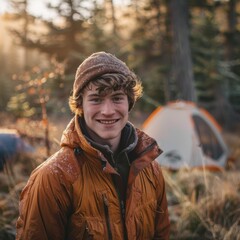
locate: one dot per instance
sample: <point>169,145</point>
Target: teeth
<point>107,121</point>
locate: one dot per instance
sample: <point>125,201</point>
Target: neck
<point>112,143</point>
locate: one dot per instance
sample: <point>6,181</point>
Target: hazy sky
<point>38,7</point>
<point>3,6</point>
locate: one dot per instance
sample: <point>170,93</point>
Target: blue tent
<point>11,146</point>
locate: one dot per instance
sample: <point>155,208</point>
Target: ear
<point>79,111</point>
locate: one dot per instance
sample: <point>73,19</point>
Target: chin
<point>108,136</point>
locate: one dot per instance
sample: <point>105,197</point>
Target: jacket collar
<point>142,148</point>
<point>128,140</point>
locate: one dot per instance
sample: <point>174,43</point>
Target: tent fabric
<point>11,145</point>
<point>189,136</point>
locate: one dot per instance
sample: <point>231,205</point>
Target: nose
<point>108,107</point>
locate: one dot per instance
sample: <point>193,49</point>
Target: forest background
<point>181,50</point>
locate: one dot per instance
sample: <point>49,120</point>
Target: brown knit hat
<point>96,65</point>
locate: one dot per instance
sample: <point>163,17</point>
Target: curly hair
<point>107,83</point>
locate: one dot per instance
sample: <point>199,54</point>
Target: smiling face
<point>105,114</point>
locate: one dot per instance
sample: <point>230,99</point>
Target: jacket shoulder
<point>62,164</point>
<point>145,142</point>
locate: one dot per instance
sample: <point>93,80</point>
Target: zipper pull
<point>105,200</point>
<point>123,209</point>
<point>106,210</point>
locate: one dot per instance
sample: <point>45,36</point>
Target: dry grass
<point>202,205</point>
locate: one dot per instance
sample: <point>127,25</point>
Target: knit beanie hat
<point>96,65</point>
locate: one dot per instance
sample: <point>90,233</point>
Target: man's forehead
<point>93,89</point>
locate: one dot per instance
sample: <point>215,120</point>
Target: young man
<point>103,183</point>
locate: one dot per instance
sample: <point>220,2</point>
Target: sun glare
<point>3,6</point>
<point>36,8</point>
<point>40,9</point>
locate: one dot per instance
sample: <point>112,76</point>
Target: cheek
<point>87,109</point>
<point>124,110</point>
<point>90,111</point>
<point>124,107</point>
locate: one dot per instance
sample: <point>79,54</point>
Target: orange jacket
<point>72,196</point>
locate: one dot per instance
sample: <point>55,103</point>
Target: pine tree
<point>210,81</point>
<point>232,66</point>
<point>147,50</point>
<point>207,56</point>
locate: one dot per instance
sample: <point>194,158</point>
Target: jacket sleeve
<point>162,223</point>
<point>44,206</point>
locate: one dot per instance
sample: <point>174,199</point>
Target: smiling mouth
<point>108,122</point>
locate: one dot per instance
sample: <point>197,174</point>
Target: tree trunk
<point>25,31</point>
<point>168,81</point>
<point>21,8</point>
<point>232,24</point>
<point>110,4</point>
<point>182,62</point>
<point>232,15</point>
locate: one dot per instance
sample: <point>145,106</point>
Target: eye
<point>95,100</point>
<point>117,99</point>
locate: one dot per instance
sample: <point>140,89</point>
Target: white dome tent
<point>189,136</point>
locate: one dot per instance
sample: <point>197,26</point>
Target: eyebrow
<point>114,93</point>
<point>118,93</point>
<point>93,95</point>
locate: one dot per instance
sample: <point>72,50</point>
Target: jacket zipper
<point>122,209</point>
<point>106,211</point>
<point>121,202</point>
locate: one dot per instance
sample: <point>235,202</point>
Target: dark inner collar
<point>127,143</point>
